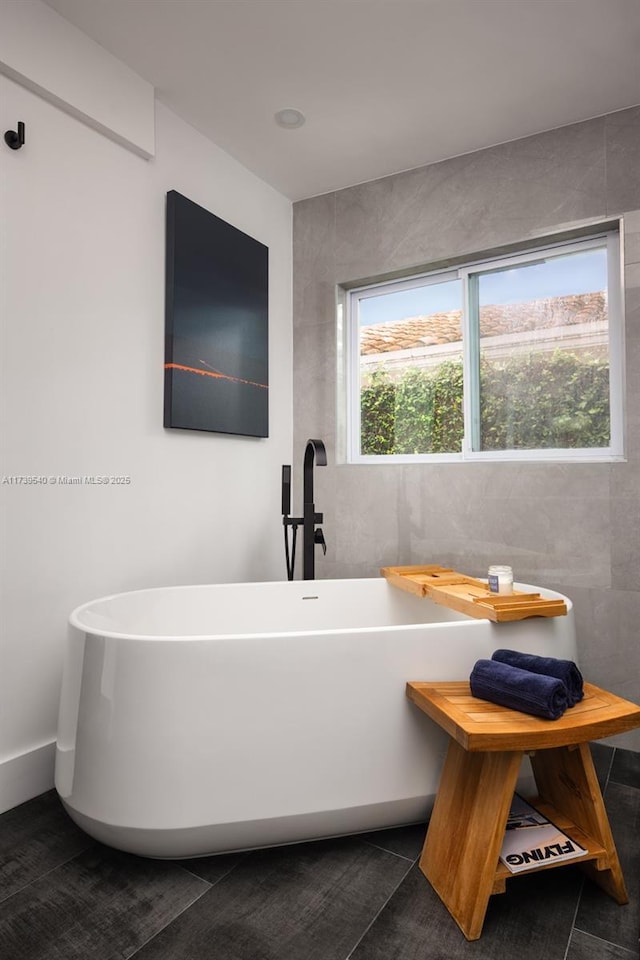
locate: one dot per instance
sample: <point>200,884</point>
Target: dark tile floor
<point>363,897</point>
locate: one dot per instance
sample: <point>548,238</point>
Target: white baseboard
<point>27,775</point>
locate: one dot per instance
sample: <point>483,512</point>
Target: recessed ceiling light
<point>289,118</point>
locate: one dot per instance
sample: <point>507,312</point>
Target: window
<point>517,357</point>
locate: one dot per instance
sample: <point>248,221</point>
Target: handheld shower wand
<point>287,521</point>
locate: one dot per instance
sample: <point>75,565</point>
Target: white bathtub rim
<point>274,635</point>
<point>76,622</point>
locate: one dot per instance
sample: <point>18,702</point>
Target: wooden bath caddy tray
<point>471,596</point>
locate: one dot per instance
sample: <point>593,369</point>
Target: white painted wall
<point>82,319</point>
<point>50,56</point>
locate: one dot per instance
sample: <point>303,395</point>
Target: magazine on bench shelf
<point>531,840</point>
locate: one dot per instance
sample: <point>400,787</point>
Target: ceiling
<point>385,85</point>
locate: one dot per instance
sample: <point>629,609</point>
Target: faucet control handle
<point>319,538</point>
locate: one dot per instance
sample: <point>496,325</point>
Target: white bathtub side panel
<point>178,734</point>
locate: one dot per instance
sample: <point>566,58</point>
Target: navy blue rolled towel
<point>564,670</point>
<point>518,689</point>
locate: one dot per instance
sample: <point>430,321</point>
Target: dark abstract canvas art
<point>216,325</point>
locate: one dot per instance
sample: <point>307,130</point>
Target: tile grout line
<point>400,856</point>
<point>222,876</point>
<point>41,876</point>
<point>610,943</point>
<point>210,886</point>
<point>620,783</point>
<point>609,769</point>
<point>579,900</point>
<point>573,920</point>
<point>173,919</point>
<point>389,898</point>
<point>607,781</point>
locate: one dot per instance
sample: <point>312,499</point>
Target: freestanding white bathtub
<point>204,719</point>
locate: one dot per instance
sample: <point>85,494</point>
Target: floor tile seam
<point>609,769</point>
<point>621,783</point>
<point>374,918</point>
<point>400,856</point>
<point>574,918</point>
<point>610,943</point>
<point>41,876</point>
<point>174,918</point>
<point>632,792</point>
<point>222,876</point>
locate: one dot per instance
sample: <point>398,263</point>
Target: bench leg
<point>466,830</point>
<point>565,777</point>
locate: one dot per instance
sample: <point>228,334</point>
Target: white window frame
<point>610,238</point>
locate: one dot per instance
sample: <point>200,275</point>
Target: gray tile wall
<point>572,527</point>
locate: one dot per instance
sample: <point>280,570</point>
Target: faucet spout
<point>314,449</point>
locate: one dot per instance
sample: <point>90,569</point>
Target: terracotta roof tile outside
<point>497,319</point>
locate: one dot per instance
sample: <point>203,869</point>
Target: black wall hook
<point>15,139</point>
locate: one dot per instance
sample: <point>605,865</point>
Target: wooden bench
<point>461,852</point>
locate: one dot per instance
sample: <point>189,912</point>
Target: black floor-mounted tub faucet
<point>314,454</point>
